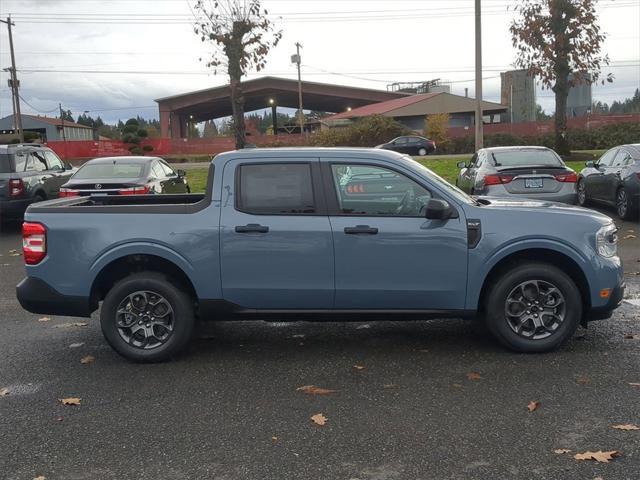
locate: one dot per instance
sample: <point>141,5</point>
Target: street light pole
<point>17,117</point>
<point>274,115</point>
<point>478,117</point>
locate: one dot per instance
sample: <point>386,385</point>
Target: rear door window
<point>157,170</point>
<point>36,162</point>
<point>275,189</point>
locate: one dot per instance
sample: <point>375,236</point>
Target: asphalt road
<point>229,408</point>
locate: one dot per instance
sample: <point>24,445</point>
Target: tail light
<point>16,187</point>
<point>135,190</point>
<point>497,179</point>
<point>34,242</point>
<point>355,188</point>
<point>570,177</point>
<point>68,192</point>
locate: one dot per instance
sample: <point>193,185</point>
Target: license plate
<point>532,183</point>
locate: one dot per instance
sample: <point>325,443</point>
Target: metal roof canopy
<point>216,102</point>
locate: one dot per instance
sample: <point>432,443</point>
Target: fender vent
<point>474,232</point>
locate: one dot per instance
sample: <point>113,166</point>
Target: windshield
<point>5,163</point>
<point>110,170</point>
<point>442,183</point>
<point>521,158</point>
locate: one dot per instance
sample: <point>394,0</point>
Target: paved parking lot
<point>427,400</point>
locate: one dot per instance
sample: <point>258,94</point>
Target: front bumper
<point>37,296</point>
<point>605,311</point>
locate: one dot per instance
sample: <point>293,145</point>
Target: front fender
<point>482,262</point>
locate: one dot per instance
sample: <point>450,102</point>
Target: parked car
<point>278,235</point>
<point>125,176</point>
<point>531,172</point>
<point>29,173</point>
<point>613,180</point>
<point>411,144</point>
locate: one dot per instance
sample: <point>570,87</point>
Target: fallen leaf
<point>275,439</point>
<point>70,401</point>
<point>634,384</point>
<point>599,456</point>
<point>319,419</point>
<point>362,327</point>
<point>583,379</point>
<point>631,336</point>
<point>13,250</point>
<point>473,376</point>
<point>298,335</point>
<point>457,385</point>
<point>560,451</point>
<point>44,319</point>
<point>359,367</point>
<point>87,360</point>
<point>76,345</point>
<point>631,231</point>
<point>40,477</point>
<point>533,405</point>
<point>15,254</point>
<point>628,426</point>
<point>628,237</point>
<point>69,325</point>
<point>59,419</point>
<point>313,390</point>
<point>4,392</point>
<point>389,386</point>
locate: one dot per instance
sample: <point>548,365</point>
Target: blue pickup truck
<point>312,234</point>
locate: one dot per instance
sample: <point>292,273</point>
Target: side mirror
<point>68,166</point>
<point>589,164</point>
<point>438,210</point>
<point>181,173</point>
<point>461,165</point>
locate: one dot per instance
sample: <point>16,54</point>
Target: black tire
<point>583,201</point>
<point>496,313</point>
<point>624,207</point>
<point>182,311</point>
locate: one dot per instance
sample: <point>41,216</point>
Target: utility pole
<point>297,59</point>
<point>478,119</point>
<point>14,84</point>
<point>64,137</point>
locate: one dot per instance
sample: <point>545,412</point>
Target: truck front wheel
<point>533,307</point>
<point>145,318</point>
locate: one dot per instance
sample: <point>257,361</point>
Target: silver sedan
<point>525,172</point>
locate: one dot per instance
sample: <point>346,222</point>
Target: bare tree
<point>555,38</point>
<point>241,35</point>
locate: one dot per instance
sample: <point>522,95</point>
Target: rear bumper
<point>564,195</point>
<point>13,208</point>
<point>37,296</point>
<point>605,311</point>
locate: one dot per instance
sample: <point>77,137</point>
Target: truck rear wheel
<point>533,307</point>
<point>145,318</point>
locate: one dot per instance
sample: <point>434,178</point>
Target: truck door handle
<point>252,228</point>
<point>361,229</point>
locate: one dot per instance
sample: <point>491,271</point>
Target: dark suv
<point>28,174</point>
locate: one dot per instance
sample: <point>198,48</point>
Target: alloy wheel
<point>621,203</point>
<point>145,320</point>
<point>535,309</point>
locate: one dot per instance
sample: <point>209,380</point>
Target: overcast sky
<point>367,43</point>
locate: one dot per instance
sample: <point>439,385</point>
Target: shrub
<point>147,148</point>
<point>436,127</point>
<point>364,132</point>
<point>135,150</point>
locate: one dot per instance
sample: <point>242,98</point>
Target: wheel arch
<point>121,266</point>
<point>542,255</point>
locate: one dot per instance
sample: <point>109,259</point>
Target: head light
<point>607,240</point>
